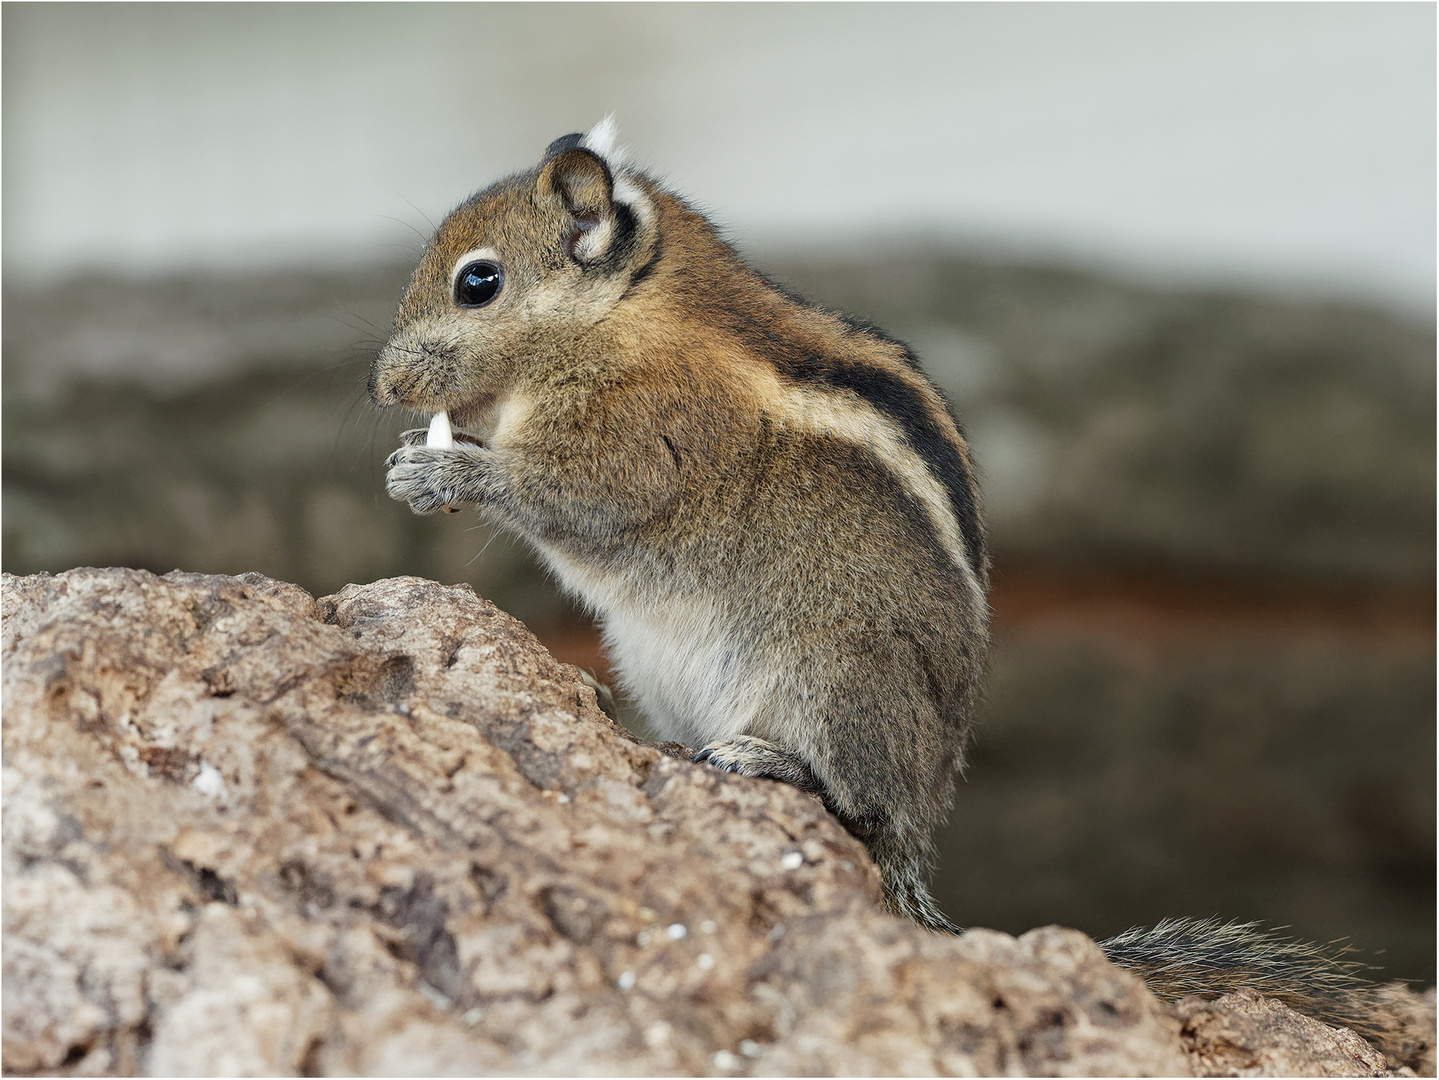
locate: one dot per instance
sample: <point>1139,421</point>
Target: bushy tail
<point>1207,957</point>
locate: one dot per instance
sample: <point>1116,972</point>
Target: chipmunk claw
<point>409,438</point>
<point>426,478</point>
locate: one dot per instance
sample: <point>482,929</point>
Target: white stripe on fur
<point>601,140</point>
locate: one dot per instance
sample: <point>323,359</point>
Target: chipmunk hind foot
<point>748,755</point>
<point>902,875</point>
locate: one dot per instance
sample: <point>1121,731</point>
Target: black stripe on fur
<point>901,402</point>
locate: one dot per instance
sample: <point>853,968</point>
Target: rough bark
<point>249,832</point>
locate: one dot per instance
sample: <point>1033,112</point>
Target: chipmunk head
<point>515,276</point>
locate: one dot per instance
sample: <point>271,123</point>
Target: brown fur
<point>781,576</point>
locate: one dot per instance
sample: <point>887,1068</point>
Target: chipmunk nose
<point>382,392</point>
<point>411,370</point>
<point>382,385</point>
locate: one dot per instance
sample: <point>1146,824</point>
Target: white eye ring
<point>484,254</point>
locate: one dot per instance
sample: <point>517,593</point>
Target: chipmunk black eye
<point>477,284</point>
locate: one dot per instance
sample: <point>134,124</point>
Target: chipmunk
<point>769,507</point>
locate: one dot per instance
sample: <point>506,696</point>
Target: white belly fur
<point>675,656</point>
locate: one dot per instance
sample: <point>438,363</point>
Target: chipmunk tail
<point>1210,957</point>
<point>907,895</point>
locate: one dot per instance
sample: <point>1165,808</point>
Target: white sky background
<point>1285,145</point>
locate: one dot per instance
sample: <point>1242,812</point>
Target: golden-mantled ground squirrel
<point>768,506</point>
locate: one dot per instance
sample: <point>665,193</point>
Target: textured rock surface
<point>1243,1034</point>
<point>246,831</point>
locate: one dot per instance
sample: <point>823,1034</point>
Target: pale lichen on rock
<point>246,831</point>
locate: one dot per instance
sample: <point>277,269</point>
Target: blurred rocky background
<point>1209,466</point>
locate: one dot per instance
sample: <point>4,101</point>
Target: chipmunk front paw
<point>751,756</point>
<point>430,479</point>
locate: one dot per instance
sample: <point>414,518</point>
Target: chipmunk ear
<point>582,182</point>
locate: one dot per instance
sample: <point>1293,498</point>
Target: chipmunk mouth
<point>473,419</point>
<point>443,436</point>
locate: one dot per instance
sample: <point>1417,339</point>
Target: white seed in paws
<point>440,436</point>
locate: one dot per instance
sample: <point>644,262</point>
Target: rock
<point>248,832</point>
<point>1244,1034</point>
<point>1408,1020</point>
<point>874,997</point>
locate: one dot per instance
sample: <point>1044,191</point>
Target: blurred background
<point>1174,264</point>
